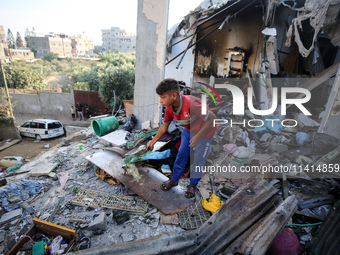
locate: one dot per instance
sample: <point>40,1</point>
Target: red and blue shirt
<point>189,115</point>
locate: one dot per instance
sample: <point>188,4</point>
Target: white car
<point>42,128</point>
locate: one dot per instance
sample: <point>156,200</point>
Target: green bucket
<point>104,126</point>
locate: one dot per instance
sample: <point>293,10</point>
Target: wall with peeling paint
<point>150,56</point>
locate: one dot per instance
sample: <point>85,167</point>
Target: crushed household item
<point>97,199</point>
<point>43,231</point>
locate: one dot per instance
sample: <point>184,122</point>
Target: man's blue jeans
<point>200,157</point>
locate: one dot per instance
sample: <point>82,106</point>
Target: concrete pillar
<point>152,23</point>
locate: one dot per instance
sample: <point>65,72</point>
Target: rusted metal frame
<point>246,206</point>
<point>192,44</point>
<point>162,244</point>
<point>259,237</point>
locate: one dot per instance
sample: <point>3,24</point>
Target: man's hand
<point>150,145</point>
<point>194,141</point>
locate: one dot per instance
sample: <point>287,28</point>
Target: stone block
<point>99,223</point>
<point>10,216</point>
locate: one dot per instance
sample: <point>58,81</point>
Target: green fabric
<point>38,248</point>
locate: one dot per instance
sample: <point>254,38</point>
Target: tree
<point>121,79</point>
<point>10,39</point>
<point>20,42</point>
<point>22,78</point>
<point>27,38</point>
<point>50,56</point>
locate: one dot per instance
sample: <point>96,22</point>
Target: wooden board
<point>148,187</point>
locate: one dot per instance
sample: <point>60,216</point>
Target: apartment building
<point>60,44</point>
<point>81,46</point>
<point>117,40</point>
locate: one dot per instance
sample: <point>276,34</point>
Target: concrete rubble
<point>292,182</point>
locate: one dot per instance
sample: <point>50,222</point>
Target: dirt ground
<point>29,149</point>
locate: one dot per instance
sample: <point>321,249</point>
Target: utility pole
<point>6,89</point>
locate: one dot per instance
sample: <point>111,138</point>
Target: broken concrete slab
<point>7,217</point>
<point>100,222</point>
<point>148,187</point>
<point>41,165</point>
<point>115,138</point>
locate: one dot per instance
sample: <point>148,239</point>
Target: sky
<point>74,17</point>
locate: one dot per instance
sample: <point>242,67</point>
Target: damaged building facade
<point>255,40</point>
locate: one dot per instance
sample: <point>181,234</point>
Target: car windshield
<point>27,124</point>
<point>54,125</point>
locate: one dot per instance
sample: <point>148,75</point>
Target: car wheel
<point>38,137</point>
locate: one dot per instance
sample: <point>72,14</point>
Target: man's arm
<point>207,124</point>
<point>161,131</point>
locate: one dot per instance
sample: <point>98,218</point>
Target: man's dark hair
<point>167,86</point>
